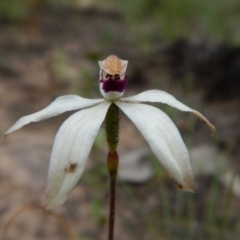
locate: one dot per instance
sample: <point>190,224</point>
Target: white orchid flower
<point>75,137</point>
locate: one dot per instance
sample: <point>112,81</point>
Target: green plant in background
<point>14,10</point>
<point>184,216</point>
<point>18,10</point>
<point>156,19</point>
<point>194,19</point>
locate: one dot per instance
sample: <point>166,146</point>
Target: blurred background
<point>189,48</point>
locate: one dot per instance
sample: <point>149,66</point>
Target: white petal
<point>71,148</point>
<point>60,105</point>
<point>163,97</point>
<point>164,140</point>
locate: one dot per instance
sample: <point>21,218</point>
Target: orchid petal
<point>71,149</point>
<point>60,105</point>
<point>164,140</point>
<point>163,97</point>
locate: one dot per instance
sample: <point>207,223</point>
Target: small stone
<point>135,167</point>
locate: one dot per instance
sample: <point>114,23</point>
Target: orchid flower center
<point>113,83</point>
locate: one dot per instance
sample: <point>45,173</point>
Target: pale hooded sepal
<point>113,65</point>
<point>164,140</point>
<point>163,97</point>
<point>58,106</point>
<point>71,149</point>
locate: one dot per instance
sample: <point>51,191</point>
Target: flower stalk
<point>112,133</point>
<point>112,165</point>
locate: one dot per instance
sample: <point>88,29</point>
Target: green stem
<point>112,132</point>
<point>112,127</point>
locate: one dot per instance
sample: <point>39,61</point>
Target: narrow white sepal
<point>164,140</point>
<point>60,105</point>
<point>71,149</point>
<point>163,97</point>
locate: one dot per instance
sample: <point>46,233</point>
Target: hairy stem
<point>112,163</point>
<point>112,127</point>
<point>112,131</point>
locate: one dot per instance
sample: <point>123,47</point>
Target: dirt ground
<point>54,52</point>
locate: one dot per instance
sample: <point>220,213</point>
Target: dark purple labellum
<point>114,85</point>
